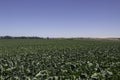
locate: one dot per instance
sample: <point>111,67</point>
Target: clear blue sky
<point>60,18</point>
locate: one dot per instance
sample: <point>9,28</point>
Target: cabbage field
<point>59,59</point>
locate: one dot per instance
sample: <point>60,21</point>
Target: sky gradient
<point>60,18</point>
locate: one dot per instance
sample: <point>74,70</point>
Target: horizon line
<point>59,37</point>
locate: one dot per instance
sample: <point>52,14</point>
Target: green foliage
<point>35,59</point>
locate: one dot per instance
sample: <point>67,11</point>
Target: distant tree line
<point>34,37</point>
<point>21,37</point>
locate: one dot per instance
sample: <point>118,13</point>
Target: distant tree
<point>47,38</point>
<point>7,37</point>
<point>21,37</point>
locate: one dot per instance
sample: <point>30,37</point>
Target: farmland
<point>59,59</point>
